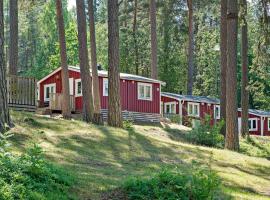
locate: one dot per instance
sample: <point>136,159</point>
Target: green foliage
<point>31,177</point>
<point>256,146</point>
<point>128,125</point>
<point>206,134</point>
<point>185,183</point>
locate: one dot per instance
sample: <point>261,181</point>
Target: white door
<point>239,125</point>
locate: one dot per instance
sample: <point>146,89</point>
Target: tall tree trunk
<point>190,48</point>
<point>232,137</point>
<point>114,113</point>
<point>135,36</point>
<point>4,113</point>
<point>97,113</point>
<point>244,86</point>
<point>223,61</point>
<point>13,45</point>
<point>63,52</point>
<point>86,81</point>
<point>153,22</point>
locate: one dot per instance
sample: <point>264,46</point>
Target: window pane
<point>147,92</point>
<point>79,87</point>
<point>190,109</point>
<point>106,92</point>
<point>167,108</point>
<point>173,108</point>
<point>254,124</point>
<point>195,109</point>
<point>141,91</point>
<point>249,124</point>
<point>47,92</point>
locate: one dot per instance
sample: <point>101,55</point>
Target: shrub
<point>127,124</point>
<point>31,177</point>
<point>207,134</point>
<point>189,183</point>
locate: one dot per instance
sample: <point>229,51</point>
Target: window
<point>145,91</point>
<point>49,88</point>
<point>194,109</point>
<point>170,108</point>
<point>252,124</point>
<point>105,87</point>
<point>268,124</point>
<point>217,112</point>
<point>78,88</point>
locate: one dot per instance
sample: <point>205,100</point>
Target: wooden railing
<point>56,100</point>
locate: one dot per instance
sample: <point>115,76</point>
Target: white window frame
<point>193,105</point>
<point>105,81</point>
<point>76,88</point>
<point>217,116</point>
<point>45,90</point>
<point>170,104</point>
<point>268,121</point>
<point>252,128</point>
<point>145,85</point>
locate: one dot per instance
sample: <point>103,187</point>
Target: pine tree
<point>114,112</point>
<point>190,48</point>
<point>153,23</point>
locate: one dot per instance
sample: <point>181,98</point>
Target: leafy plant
<point>207,134</point>
<point>183,183</point>
<point>127,124</point>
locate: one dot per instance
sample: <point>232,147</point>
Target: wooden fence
<point>21,92</point>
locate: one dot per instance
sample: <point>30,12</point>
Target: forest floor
<point>101,157</point>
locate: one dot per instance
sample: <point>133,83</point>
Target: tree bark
<point>63,52</point>
<point>4,112</point>
<point>135,37</point>
<point>244,86</point>
<point>96,96</point>
<point>13,44</point>
<point>232,137</point>
<point>223,61</point>
<point>153,22</point>
<point>114,112</point>
<point>190,48</point>
<point>86,81</point>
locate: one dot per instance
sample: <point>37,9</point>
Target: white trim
<point>193,104</point>
<point>38,92</point>
<point>216,116</point>
<point>45,90</point>
<point>262,125</point>
<point>76,88</point>
<point>144,85</point>
<point>170,104</point>
<point>253,119</point>
<point>103,88</point>
<point>71,86</point>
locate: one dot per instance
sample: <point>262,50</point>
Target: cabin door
<point>49,89</point>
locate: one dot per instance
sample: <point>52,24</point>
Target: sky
<point>71,4</point>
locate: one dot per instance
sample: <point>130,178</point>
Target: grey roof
<point>125,76</point>
<point>258,112</point>
<point>192,98</point>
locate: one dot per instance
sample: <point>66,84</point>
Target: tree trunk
<point>4,113</point>
<point>223,62</point>
<point>114,112</point>
<point>190,48</point>
<point>63,52</point>
<point>135,37</point>
<point>244,86</point>
<point>96,96</point>
<point>153,22</point>
<point>13,45</point>
<point>86,81</point>
<point>232,137</point>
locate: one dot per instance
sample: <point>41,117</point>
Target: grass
<point>102,157</point>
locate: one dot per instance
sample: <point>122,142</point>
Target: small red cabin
<point>193,109</point>
<point>140,96</point>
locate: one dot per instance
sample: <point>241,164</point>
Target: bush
<point>127,124</point>
<point>207,134</point>
<point>31,177</point>
<point>190,183</point>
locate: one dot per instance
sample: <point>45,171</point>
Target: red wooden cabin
<point>192,109</point>
<point>140,96</point>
